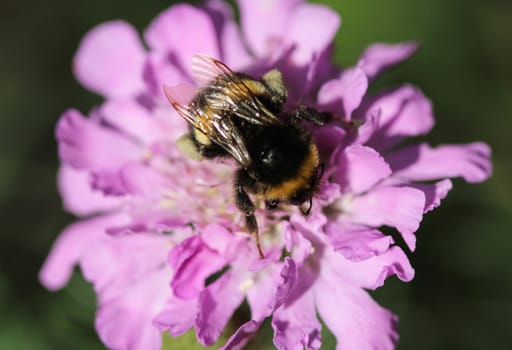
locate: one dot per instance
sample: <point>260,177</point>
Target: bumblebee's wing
<point>217,128</point>
<point>237,92</point>
<point>205,69</point>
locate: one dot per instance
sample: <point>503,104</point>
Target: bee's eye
<point>268,157</point>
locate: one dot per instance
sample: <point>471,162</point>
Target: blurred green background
<point>461,296</point>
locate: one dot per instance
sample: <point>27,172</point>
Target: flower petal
<point>78,196</point>
<point>371,273</point>
<point>295,323</point>
<point>183,30</point>
<point>177,316</point>
<point>113,264</point>
<point>359,168</point>
<point>355,319</point>
<point>142,180</point>
<point>131,118</point>
<point>242,335</point>
<point>422,163</point>
<point>380,56</point>
<point>299,246</point>
<point>193,262</point>
<point>403,112</point>
<point>110,60</point>
<point>266,291</point>
<point>84,144</point>
<point>132,178</point>
<point>159,70</point>
<point>233,50</point>
<point>343,95</point>
<point>312,29</point>
<point>356,242</point>
<point>126,322</point>
<point>400,207</point>
<point>328,138</point>
<point>70,246</point>
<point>130,278</point>
<point>275,16</point>
<point>434,193</point>
<point>217,303</point>
<point>274,285</point>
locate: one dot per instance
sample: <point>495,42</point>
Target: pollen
<point>167,204</point>
<point>246,285</point>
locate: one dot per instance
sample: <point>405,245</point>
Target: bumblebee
<point>234,115</point>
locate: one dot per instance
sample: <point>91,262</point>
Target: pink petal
<point>434,193</point>
<point>264,297</point>
<point>84,144</point>
<point>131,279</point>
<point>312,29</point>
<point>371,273</point>
<point>157,221</point>
<point>274,14</point>
<point>370,124</point>
<point>400,207</point>
<point>70,247</point>
<point>234,52</point>
<point>132,178</point>
<point>219,239</point>
<point>113,264</point>
<point>295,323</point>
<point>343,95</point>
<point>403,112</point>
<point>193,262</point>
<point>160,70</point>
<point>379,57</point>
<point>357,243</point>
<point>131,118</point>
<point>299,246</point>
<point>328,138</point>
<point>142,180</point>
<point>274,285</point>
<point>108,182</point>
<point>355,319</point>
<point>217,303</point>
<point>242,335</point>
<point>421,162</point>
<point>177,316</point>
<point>78,196</point>
<point>183,30</point>
<point>126,322</point>
<point>359,168</point>
<point>110,60</point>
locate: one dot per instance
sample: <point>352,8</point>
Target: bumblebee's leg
<point>244,203</point>
<point>310,114</point>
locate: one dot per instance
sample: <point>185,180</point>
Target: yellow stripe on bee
<point>288,188</point>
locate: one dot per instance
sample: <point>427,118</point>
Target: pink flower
<point>159,236</point>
